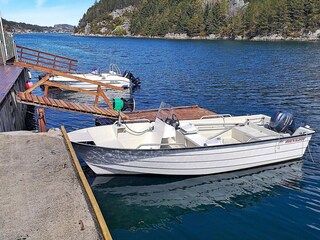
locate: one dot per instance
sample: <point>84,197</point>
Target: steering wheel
<point>175,121</point>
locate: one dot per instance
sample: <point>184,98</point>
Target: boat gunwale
<point>198,147</point>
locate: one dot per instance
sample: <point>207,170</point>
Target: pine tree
<point>296,15</point>
<point>280,17</point>
<point>310,15</point>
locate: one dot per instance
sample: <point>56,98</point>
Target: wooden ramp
<point>34,100</point>
<point>60,66</point>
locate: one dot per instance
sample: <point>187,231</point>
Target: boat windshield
<point>167,114</point>
<point>165,111</point>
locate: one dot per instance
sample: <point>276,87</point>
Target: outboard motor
<point>282,122</point>
<point>135,81</point>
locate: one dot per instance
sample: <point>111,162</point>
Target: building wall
<point>12,113</point>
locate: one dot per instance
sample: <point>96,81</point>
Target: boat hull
<point>192,161</point>
<point>113,80</point>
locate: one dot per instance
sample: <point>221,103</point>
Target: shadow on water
<point>170,198</point>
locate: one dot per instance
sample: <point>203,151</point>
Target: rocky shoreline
<point>306,37</point>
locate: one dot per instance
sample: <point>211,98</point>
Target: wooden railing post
<point>101,93</point>
<point>54,62</point>
<point>46,90</point>
<point>38,57</point>
<point>21,53</point>
<point>97,97</point>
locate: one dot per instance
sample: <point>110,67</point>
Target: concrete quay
<point>41,196</point>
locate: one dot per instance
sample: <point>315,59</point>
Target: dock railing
<point>44,59</point>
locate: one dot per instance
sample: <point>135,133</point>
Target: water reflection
<point>83,98</point>
<point>151,200</point>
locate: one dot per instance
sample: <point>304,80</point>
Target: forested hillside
<point>99,18</point>
<point>16,27</point>
<point>193,18</point>
<point>24,27</point>
<point>284,17</point>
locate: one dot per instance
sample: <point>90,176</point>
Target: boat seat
<point>201,141</point>
<point>190,132</point>
<point>214,141</point>
<point>248,133</point>
<point>188,128</point>
<point>196,139</point>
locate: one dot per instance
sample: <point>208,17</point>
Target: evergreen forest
<point>288,18</point>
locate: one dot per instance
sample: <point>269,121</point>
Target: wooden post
<point>101,93</point>
<point>54,62</point>
<point>38,56</point>
<point>43,80</point>
<point>46,90</point>
<point>97,97</point>
<point>41,120</point>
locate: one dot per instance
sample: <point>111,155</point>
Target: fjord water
<point>236,77</point>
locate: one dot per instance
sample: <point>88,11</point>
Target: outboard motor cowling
<point>282,122</point>
<point>135,81</point>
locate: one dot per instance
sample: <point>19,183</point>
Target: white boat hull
<point>192,161</point>
<point>114,80</point>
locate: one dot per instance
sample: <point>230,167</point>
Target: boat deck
<point>182,113</point>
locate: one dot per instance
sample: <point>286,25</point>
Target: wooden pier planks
<point>31,99</point>
<point>182,113</point>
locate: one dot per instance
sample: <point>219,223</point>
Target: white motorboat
<point>217,144</point>
<point>112,77</point>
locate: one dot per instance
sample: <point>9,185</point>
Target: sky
<point>45,12</point>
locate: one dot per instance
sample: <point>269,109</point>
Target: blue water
<point>236,77</point>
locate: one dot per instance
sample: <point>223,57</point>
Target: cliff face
<point>231,19</point>
<point>107,17</point>
<point>233,5</point>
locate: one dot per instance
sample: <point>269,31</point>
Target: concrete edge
<point>102,223</point>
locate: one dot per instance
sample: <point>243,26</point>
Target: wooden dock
<point>182,113</point>
<point>31,99</point>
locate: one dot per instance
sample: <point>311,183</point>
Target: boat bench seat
<point>247,133</point>
<point>201,141</point>
<point>190,133</point>
<point>196,139</point>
